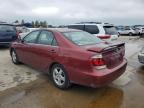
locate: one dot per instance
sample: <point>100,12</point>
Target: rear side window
<point>31,37</point>
<point>127,28</point>
<point>93,29</point>
<point>54,42</point>
<point>47,38</point>
<point>7,28</point>
<point>111,30</point>
<point>79,27</point>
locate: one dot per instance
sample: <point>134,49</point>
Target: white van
<point>104,31</point>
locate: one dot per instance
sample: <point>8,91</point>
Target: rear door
<point>7,33</point>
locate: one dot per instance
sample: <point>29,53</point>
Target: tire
<point>119,34</point>
<point>59,77</point>
<point>130,34</point>
<point>14,57</point>
<point>139,34</point>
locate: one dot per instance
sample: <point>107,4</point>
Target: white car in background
<point>141,30</point>
<point>104,31</point>
<point>128,31</point>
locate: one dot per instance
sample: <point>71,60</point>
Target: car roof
<point>101,24</point>
<point>60,29</point>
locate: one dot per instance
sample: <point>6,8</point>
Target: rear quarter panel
<point>75,61</point>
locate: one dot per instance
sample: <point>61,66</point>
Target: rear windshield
<point>7,28</point>
<point>111,30</point>
<point>82,38</point>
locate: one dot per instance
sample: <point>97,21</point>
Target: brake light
<point>98,62</point>
<point>104,37</point>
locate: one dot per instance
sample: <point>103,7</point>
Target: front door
<point>25,48</point>
<point>45,50</point>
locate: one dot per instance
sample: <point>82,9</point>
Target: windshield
<point>111,30</point>
<point>82,38</point>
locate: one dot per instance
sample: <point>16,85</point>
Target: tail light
<point>104,37</point>
<point>98,62</point>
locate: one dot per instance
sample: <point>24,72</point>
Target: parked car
<point>140,30</point>
<point>71,56</point>
<point>104,31</point>
<point>127,31</point>
<point>141,56</point>
<point>8,34</point>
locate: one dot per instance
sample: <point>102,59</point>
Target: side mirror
<point>20,39</point>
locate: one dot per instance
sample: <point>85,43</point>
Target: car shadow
<point>85,97</point>
<point>4,47</point>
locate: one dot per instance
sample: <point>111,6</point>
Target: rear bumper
<point>5,43</point>
<point>114,37</point>
<point>141,58</point>
<point>100,78</point>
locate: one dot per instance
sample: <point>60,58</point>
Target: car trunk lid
<point>112,53</point>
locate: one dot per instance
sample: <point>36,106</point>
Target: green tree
<point>45,24</point>
<point>16,21</point>
<point>33,24</point>
<point>37,24</point>
<point>41,24</point>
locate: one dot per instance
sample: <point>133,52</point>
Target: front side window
<point>82,38</point>
<point>31,37</point>
<point>46,38</point>
<point>54,42</point>
<point>93,29</point>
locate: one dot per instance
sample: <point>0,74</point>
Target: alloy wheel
<point>59,76</point>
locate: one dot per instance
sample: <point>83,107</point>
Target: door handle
<point>53,51</point>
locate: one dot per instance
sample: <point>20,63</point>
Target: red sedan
<point>71,56</point>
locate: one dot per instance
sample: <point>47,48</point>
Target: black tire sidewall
<point>17,60</point>
<point>130,34</point>
<point>67,82</point>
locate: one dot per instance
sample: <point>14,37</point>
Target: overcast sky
<point>70,11</point>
